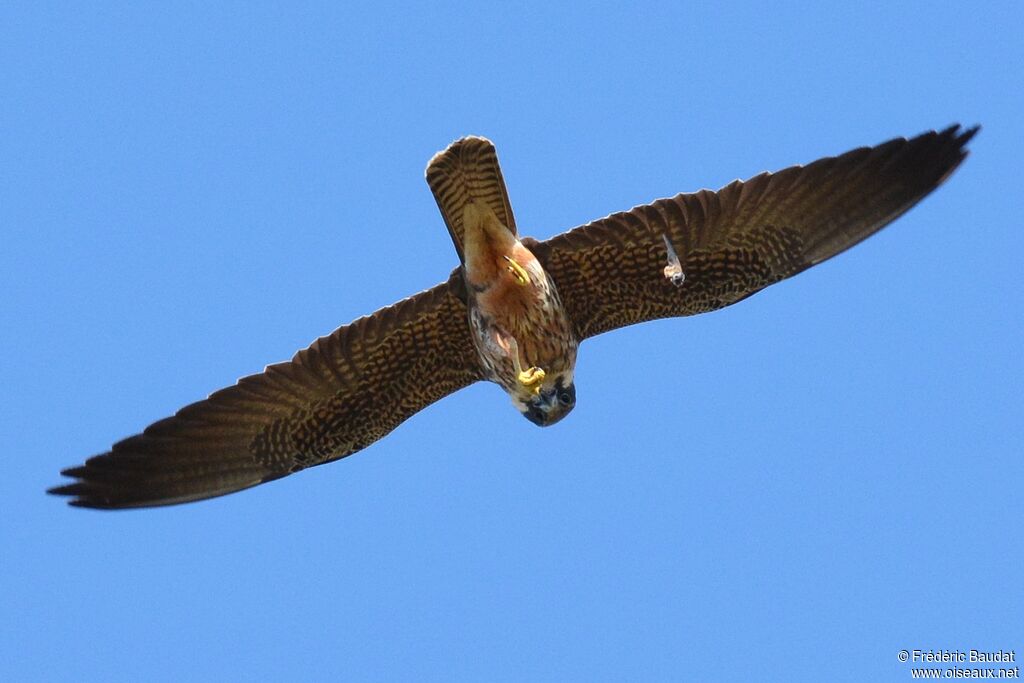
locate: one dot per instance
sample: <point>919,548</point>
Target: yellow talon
<point>532,378</point>
<point>521,275</point>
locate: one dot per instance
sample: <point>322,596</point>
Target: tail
<point>465,173</point>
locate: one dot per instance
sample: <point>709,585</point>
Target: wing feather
<point>341,394</point>
<point>744,237</point>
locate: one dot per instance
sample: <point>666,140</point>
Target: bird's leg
<point>513,267</point>
<point>674,270</point>
<point>532,377</point>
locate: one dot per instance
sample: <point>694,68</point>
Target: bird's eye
<point>564,398</point>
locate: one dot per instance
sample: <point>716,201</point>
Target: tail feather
<point>467,172</point>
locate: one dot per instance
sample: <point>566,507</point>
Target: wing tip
<point>965,136</point>
<point>953,140</point>
<point>956,135</point>
<point>77,492</point>
<point>961,133</point>
<point>84,490</point>
<point>115,480</point>
<point>97,495</point>
<point>62,490</point>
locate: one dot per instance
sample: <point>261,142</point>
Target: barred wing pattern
<point>341,394</point>
<point>352,387</point>
<point>748,235</point>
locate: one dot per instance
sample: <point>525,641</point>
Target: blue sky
<point>794,488</point>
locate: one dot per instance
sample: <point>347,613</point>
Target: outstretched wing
<point>737,241</point>
<point>344,392</point>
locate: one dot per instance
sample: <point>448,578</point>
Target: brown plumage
<point>466,172</point>
<point>341,394</point>
<point>354,386</point>
<point>734,242</point>
<point>523,338</point>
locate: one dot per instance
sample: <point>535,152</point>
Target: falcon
<point>514,312</point>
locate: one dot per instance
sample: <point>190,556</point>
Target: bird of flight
<point>514,312</point>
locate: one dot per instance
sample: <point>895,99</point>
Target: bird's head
<point>549,403</point>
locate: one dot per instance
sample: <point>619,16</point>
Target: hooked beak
<point>549,406</point>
